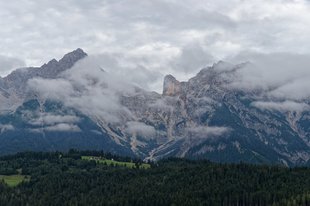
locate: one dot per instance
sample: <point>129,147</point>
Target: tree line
<point>63,179</point>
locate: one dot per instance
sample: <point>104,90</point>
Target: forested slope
<point>65,179</point>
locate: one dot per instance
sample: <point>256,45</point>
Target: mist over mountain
<point>226,113</point>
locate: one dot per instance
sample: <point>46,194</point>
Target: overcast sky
<point>145,40</point>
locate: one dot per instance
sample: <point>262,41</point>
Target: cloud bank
<point>6,126</point>
<point>206,131</point>
<point>286,71</point>
<point>145,40</point>
<point>140,128</point>
<point>87,88</point>
<point>63,128</point>
<point>51,119</point>
<point>160,104</point>
<point>282,106</point>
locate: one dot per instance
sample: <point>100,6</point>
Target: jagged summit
<point>69,59</point>
<point>171,85</point>
<point>205,117</point>
<point>52,63</point>
<point>18,79</point>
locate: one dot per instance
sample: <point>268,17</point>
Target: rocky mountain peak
<point>53,63</point>
<point>18,79</point>
<point>54,67</point>
<point>69,59</point>
<point>200,118</point>
<point>171,85</point>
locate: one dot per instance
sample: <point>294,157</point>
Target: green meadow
<point>13,180</point>
<point>128,164</point>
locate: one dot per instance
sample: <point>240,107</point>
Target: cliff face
<point>14,87</point>
<point>204,117</point>
<point>16,82</point>
<point>171,86</point>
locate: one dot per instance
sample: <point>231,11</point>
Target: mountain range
<point>73,103</point>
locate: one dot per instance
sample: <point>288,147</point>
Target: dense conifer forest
<point>57,178</point>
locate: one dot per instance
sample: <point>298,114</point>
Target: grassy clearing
<point>13,180</point>
<point>128,164</point>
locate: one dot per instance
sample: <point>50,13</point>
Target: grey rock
<point>17,80</point>
<point>203,117</point>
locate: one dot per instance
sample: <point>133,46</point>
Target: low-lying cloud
<point>6,126</point>
<point>51,119</point>
<point>201,110</point>
<point>88,88</point>
<point>96,132</point>
<point>206,131</point>
<point>160,104</point>
<point>37,130</point>
<point>140,129</point>
<point>282,74</point>
<point>297,89</point>
<point>282,106</point>
<point>63,127</point>
<point>56,89</point>
<point>142,72</point>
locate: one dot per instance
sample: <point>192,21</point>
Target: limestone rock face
<point>205,117</point>
<point>16,82</point>
<point>171,86</point>
<point>191,113</point>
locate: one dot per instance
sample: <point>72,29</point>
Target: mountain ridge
<point>207,116</point>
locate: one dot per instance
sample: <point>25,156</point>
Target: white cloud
<point>297,89</point>
<point>51,119</point>
<point>140,129</point>
<point>206,99</point>
<point>201,110</point>
<point>282,106</point>
<point>35,130</point>
<point>63,127</point>
<point>153,38</point>
<point>283,74</point>
<point>135,70</point>
<point>56,89</point>
<point>96,132</point>
<point>160,104</point>
<point>206,131</point>
<point>87,88</point>
<point>6,126</point>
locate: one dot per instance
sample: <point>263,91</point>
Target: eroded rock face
<point>189,110</point>
<point>14,88</point>
<point>17,80</point>
<point>171,86</point>
<point>204,117</point>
